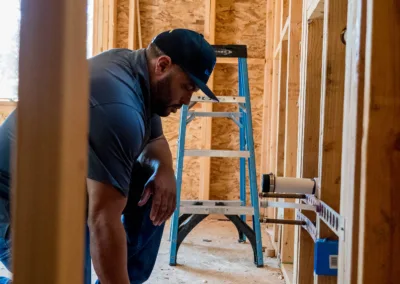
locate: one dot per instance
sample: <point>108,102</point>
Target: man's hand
<point>162,185</point>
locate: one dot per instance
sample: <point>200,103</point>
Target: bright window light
<point>9,45</point>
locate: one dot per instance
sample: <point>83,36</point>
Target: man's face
<point>171,89</point>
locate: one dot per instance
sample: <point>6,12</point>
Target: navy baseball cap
<point>189,50</point>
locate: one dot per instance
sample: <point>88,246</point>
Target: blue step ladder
<point>190,213</point>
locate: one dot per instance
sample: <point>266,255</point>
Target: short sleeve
<point>116,134</point>
<point>156,127</point>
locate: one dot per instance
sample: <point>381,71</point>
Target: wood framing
<point>293,31</point>
<point>48,191</point>
<point>308,143</point>
<point>347,130</point>
<point>281,119</point>
<point>379,246</point>
<point>206,124</point>
<point>133,42</point>
<point>274,102</point>
<point>269,48</point>
<point>331,115</point>
<point>352,135</point>
<point>104,25</point>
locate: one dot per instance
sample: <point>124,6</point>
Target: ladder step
<point>218,153</point>
<point>212,209</point>
<point>211,202</point>
<point>222,99</point>
<point>214,114</point>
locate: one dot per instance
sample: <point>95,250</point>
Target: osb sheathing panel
<point>241,22</point>
<point>225,171</point>
<point>237,22</point>
<point>157,16</point>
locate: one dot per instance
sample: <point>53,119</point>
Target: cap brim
<point>204,88</point>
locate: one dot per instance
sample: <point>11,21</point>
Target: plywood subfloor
<point>211,254</point>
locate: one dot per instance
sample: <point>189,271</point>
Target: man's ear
<point>163,64</point>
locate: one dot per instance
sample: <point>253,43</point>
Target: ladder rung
<point>215,114</point>
<point>225,210</point>
<point>211,202</point>
<point>218,153</point>
<point>222,99</point>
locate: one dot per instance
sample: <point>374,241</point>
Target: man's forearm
<point>157,154</point>
<point>108,250</point>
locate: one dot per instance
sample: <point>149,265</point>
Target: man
<point>130,169</point>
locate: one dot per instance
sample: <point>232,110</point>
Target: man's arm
<point>156,154</point>
<point>107,234</point>
<point>162,183</point>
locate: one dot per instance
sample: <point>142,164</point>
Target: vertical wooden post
<point>206,124</point>
<point>379,246</point>
<point>352,135</point>
<point>269,51</point>
<point>331,123</point>
<point>308,143</point>
<point>293,88</point>
<point>285,255</point>
<point>133,42</point>
<point>291,129</point>
<point>48,192</point>
<point>274,101</point>
<point>281,113</point>
<point>104,25</point>
<point>275,84</point>
<point>99,16</point>
<point>95,27</point>
<point>112,24</point>
<point>280,137</point>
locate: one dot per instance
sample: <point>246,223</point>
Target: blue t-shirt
<point>120,119</point>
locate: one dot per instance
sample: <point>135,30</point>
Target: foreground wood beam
<point>48,194</point>
<point>206,124</point>
<point>379,246</point>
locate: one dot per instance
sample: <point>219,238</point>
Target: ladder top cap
<point>238,51</point>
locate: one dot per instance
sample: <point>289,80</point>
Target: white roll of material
<point>294,185</point>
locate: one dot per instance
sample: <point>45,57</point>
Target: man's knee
<point>142,260</point>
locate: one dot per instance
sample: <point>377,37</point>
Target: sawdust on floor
<point>211,254</point>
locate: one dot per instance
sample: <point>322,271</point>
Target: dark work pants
<point>143,238</point>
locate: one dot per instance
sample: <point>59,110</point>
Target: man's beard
<point>162,97</point>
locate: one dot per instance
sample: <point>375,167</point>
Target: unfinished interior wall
<point>237,22</point>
